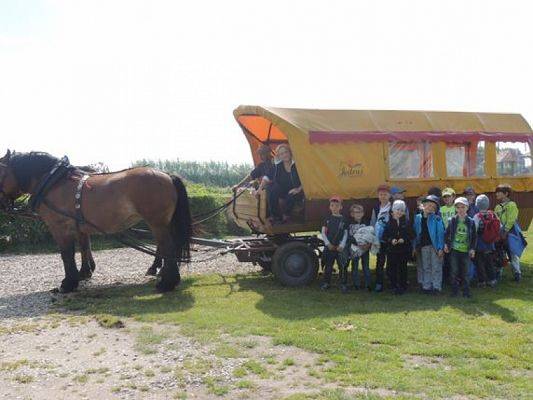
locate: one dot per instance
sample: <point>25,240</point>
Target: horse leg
<point>87,262</point>
<point>169,274</point>
<point>68,250</point>
<point>157,264</point>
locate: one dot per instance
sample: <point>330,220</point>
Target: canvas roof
<point>343,151</point>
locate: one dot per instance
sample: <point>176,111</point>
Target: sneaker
<point>344,289</point>
<point>324,286</point>
<point>378,288</point>
<point>517,276</point>
<point>427,291</point>
<point>492,283</point>
<point>481,285</point>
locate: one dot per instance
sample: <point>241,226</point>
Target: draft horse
<point>75,205</point>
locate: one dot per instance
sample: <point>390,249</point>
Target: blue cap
<point>396,190</point>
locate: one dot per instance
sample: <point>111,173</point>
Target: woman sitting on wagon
<point>285,187</point>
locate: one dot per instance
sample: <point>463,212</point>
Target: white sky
<point>116,81</point>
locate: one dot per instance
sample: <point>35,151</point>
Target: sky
<point>117,81</point>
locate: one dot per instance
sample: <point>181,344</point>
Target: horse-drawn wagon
<point>349,153</point>
<point>337,152</point>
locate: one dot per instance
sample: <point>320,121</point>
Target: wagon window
<point>513,159</point>
<point>465,159</point>
<point>410,160</point>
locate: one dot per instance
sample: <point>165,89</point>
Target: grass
<point>480,347</point>
<point>147,340</point>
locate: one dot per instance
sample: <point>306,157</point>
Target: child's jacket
<point>435,229</point>
<point>398,230</point>
<point>470,229</point>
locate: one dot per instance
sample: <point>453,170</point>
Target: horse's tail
<point>182,221</point>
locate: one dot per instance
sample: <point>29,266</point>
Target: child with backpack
<point>334,234</point>
<point>488,233</point>
<point>380,216</point>
<point>512,239</point>
<point>461,244</point>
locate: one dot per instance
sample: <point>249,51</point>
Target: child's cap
<point>504,188</point>
<point>461,200</point>
<point>335,198</point>
<point>482,202</point>
<point>398,205</point>
<point>383,188</point>
<point>448,192</point>
<point>469,191</point>
<point>396,190</point>
<point>431,198</point>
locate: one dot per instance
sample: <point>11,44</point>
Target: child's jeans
<point>431,268</point>
<point>365,266</point>
<point>329,259</point>
<point>459,263</point>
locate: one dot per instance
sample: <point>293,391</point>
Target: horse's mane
<point>26,166</point>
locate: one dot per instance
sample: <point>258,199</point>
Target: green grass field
<point>433,346</point>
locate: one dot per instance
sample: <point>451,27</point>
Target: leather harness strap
<point>80,220</point>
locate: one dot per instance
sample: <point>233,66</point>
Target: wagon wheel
<point>295,264</point>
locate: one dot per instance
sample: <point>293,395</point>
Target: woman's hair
<point>283,146</point>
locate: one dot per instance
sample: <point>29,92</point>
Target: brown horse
<point>108,203</point>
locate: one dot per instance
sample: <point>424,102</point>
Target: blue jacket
<point>435,229</point>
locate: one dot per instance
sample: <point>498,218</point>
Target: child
<point>360,248</point>
<point>488,232</point>
<point>507,212</point>
<point>380,216</point>
<point>447,211</point>
<point>398,193</point>
<point>334,235</point>
<point>470,195</point>
<point>460,243</point>
<point>429,245</point>
<point>397,238</point>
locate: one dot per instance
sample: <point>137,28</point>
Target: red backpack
<point>489,227</point>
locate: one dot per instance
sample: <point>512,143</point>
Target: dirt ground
<point>47,354</point>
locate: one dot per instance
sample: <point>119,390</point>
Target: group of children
<point>451,243</point>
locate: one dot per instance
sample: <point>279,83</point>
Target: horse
<point>77,205</point>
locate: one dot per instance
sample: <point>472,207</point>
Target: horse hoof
<point>85,274</point>
<point>68,286</point>
<point>151,272</point>
<point>163,287</point>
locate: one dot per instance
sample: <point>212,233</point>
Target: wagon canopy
<point>346,151</point>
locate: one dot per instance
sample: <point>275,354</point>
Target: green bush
<point>211,173</point>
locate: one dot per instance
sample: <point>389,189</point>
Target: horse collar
<point>77,200</point>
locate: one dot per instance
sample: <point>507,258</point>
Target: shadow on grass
<point>125,300</point>
<point>310,302</point>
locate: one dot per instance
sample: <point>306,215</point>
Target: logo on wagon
<point>348,170</point>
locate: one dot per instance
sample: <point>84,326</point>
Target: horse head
<point>9,188</point>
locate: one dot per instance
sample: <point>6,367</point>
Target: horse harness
<point>59,171</point>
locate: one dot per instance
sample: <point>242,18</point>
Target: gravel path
<point>68,356</point>
<point>26,280</point>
